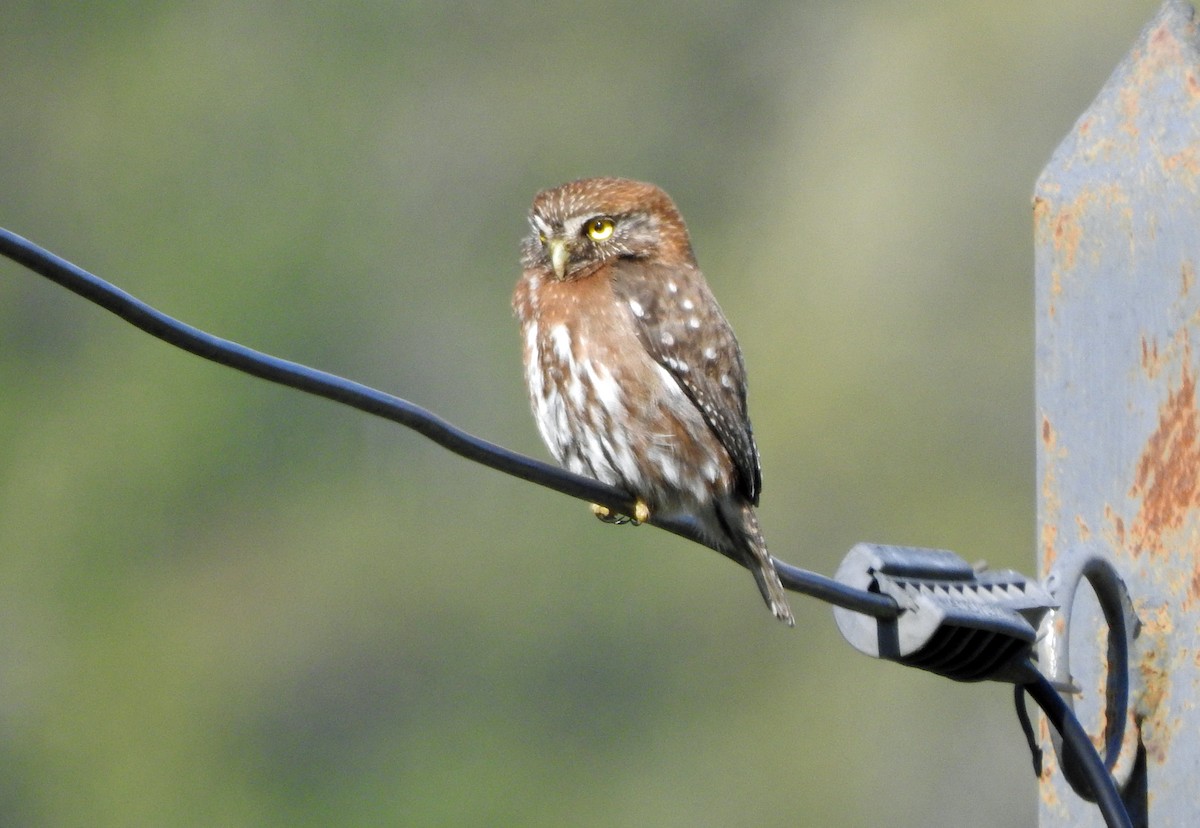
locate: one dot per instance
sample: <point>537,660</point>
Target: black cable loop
<point>1101,787</point>
<point>1086,563</point>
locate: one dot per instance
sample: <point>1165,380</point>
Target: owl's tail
<point>741,524</point>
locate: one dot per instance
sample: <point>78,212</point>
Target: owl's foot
<point>641,514</point>
<point>605,514</point>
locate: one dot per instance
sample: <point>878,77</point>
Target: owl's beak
<point>560,253</point>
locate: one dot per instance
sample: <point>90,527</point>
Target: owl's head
<point>579,226</point>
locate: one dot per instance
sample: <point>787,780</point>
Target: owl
<point>634,373</point>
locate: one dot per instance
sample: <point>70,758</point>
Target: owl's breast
<point>604,406</point>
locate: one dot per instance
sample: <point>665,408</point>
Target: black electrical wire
<point>1075,740</point>
<point>1026,724</point>
<point>364,398</point>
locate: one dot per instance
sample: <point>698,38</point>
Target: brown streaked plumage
<point>634,374</point>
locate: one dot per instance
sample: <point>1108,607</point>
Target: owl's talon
<point>607,515</point>
<point>641,512</point>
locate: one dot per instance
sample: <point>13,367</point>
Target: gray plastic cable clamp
<point>954,621</point>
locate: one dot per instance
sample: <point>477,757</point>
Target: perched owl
<point>634,374</point>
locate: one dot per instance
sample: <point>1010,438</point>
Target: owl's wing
<point>681,326</point>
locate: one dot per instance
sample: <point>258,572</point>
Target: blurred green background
<point>226,603</point>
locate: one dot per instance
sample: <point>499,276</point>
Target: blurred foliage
<point>223,603</point>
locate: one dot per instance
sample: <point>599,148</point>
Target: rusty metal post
<point>1117,227</point>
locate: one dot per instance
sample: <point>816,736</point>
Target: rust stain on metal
<point>1039,207</point>
<point>1155,666</point>
<point>1188,583</point>
<point>1163,55</point>
<point>1048,793</point>
<point>1152,363</point>
<point>1100,686</point>
<point>1060,627</point>
<point>1167,478</point>
<point>1130,110</point>
<point>1116,535</point>
<point>1177,348</point>
<point>1185,161</point>
<point>1067,233</point>
<point>1160,37</point>
<point>1063,225</point>
<point>1051,503</point>
<point>1049,547</point>
<point>1041,213</point>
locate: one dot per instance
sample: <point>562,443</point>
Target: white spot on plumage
<point>540,225</point>
<point>636,307</point>
<point>667,465</point>
<point>672,287</point>
<point>710,353</point>
<point>533,369</point>
<point>726,382</point>
<point>693,323</point>
<point>677,365</point>
<point>591,449</point>
<point>670,385</point>
<point>627,464</point>
<point>575,389</point>
<point>549,408</point>
<point>666,338</point>
<point>561,338</point>
<point>573,226</point>
<point>533,296</point>
<point>688,305</point>
<point>607,390</point>
<point>551,417</point>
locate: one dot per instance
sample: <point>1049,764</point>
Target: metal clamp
<point>954,621</point>
<point>1081,563</point>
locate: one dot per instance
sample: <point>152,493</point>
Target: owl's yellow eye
<point>599,229</point>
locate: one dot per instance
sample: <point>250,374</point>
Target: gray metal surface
<point>1117,226</point>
